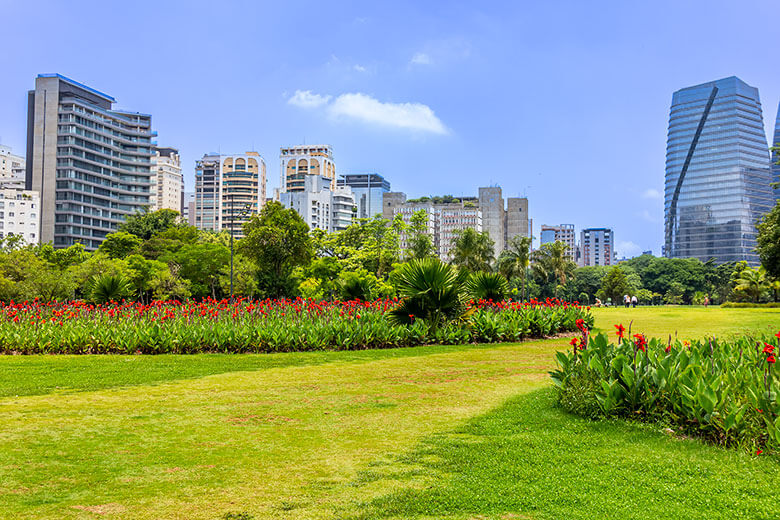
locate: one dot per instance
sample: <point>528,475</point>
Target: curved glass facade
<point>717,172</point>
<point>776,156</point>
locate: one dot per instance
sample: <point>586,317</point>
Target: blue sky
<point>565,102</point>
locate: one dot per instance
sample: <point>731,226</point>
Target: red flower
<point>770,359</point>
<point>580,323</point>
<point>668,348</point>
<point>574,342</point>
<point>768,349</point>
<point>759,452</point>
<point>620,330</point>
<point>641,342</point>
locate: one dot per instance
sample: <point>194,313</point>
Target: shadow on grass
<point>530,459</point>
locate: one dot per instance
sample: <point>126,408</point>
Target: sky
<point>565,102</point>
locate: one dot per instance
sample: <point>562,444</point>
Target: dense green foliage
<point>723,390</point>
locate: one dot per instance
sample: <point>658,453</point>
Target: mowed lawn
<point>429,432</point>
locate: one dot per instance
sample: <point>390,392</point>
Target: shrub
<point>487,286</point>
<point>724,391</point>
<point>750,305</point>
<point>107,288</point>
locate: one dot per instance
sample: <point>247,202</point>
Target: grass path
<point>281,442</point>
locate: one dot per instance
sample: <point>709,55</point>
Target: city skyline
<point>577,104</point>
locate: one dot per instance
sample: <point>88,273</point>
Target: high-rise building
<point>89,162</point>
<point>454,218</point>
<point>597,247</point>
<point>368,189</point>
<point>776,156</point>
<point>516,219</point>
<point>561,233</point>
<point>717,172</point>
<point>228,190</point>
<point>491,203</point>
<point>20,214</point>
<point>299,161</point>
<point>11,165</point>
<point>320,206</point>
<point>188,208</point>
<point>168,180</point>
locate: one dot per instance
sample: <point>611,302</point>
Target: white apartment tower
<point>597,247</point>
<point>168,180</point>
<point>20,214</point>
<point>299,161</point>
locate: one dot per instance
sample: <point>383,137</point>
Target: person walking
<point>626,300</point>
<point>634,301</point>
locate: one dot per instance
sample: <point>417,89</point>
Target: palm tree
<point>431,292</point>
<point>473,250</point>
<point>551,260</point>
<point>487,286</point>
<point>775,286</point>
<point>107,287</point>
<point>516,259</point>
<point>752,282</point>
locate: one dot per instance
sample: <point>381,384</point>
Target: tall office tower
<point>368,189</point>
<point>454,218</point>
<point>561,233</point>
<point>717,172</point>
<point>89,163</point>
<point>491,203</point>
<point>299,161</point>
<point>243,190</point>
<point>229,189</point>
<point>517,223</point>
<point>776,156</point>
<point>208,192</point>
<point>597,246</point>
<point>168,181</point>
<point>320,206</point>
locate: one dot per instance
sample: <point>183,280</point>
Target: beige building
<point>229,189</point>
<point>168,180</point>
<point>20,214</point>
<point>299,161</point>
<point>561,233</point>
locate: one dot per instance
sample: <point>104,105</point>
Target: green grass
<point>529,459</point>
<point>353,434</point>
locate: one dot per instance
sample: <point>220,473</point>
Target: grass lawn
<point>430,432</point>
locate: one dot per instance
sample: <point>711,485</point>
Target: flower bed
<point>261,326</point>
<point>725,391</point>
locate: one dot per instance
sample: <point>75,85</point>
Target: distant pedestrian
<point>706,301</point>
<point>626,300</point>
<point>634,301</point>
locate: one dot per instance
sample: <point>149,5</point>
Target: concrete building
<point>168,180</point>
<point>320,206</point>
<point>501,223</point>
<point>299,161</point>
<point>20,214</point>
<point>229,189</point>
<point>368,189</point>
<point>561,233</point>
<point>90,164</point>
<point>597,247</point>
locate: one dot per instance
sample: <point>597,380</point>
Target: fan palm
<point>108,287</point>
<point>515,260</point>
<point>431,292</point>
<point>487,286</point>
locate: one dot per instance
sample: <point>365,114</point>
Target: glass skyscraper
<point>776,156</point>
<point>717,172</point>
<point>368,189</point>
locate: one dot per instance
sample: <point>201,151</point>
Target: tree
<point>419,241</point>
<point>120,244</point>
<point>106,288</point>
<point>616,284</point>
<point>752,282</point>
<point>277,240</point>
<point>550,260</point>
<point>472,250</point>
<point>514,261</point>
<point>244,277</point>
<point>487,286</point>
<point>431,292</point>
<point>201,265</point>
<point>768,241</point>
<point>587,280</point>
<point>146,224</point>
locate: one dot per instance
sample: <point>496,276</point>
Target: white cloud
<point>412,116</point>
<point>628,249</point>
<point>307,99</point>
<point>360,68</point>
<point>421,59</point>
<point>651,193</point>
